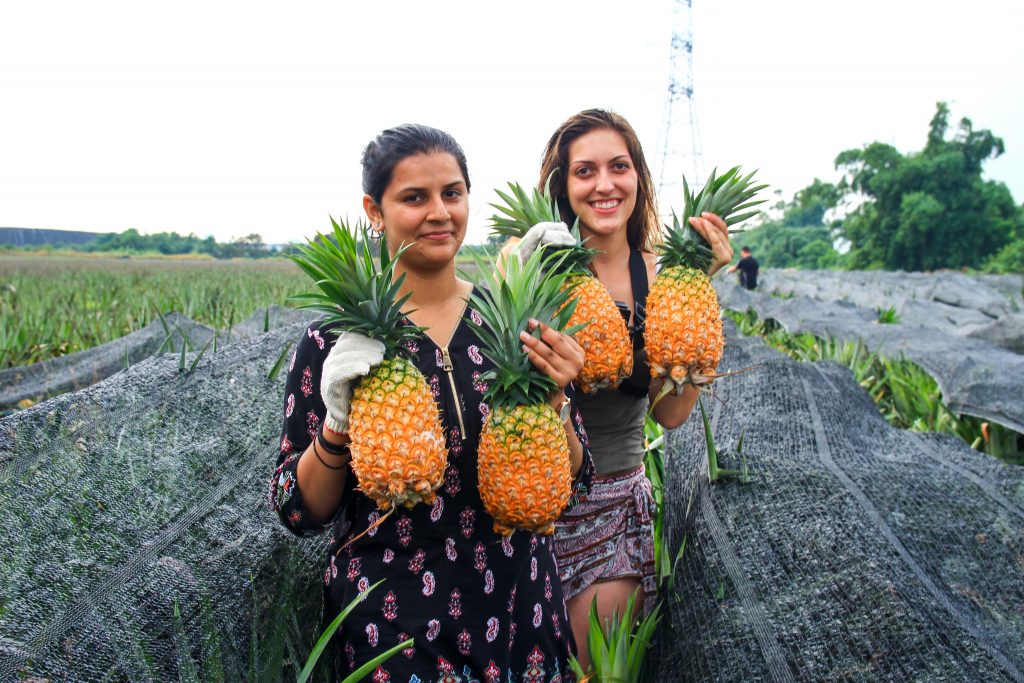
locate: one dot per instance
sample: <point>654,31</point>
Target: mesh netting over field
<point>140,545</point>
<point>858,551</point>
<point>992,296</point>
<point>977,377</point>
<point>988,307</point>
<point>139,542</point>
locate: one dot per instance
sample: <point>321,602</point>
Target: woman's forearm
<point>671,411</point>
<point>321,485</point>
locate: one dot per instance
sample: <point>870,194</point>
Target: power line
<point>679,139</point>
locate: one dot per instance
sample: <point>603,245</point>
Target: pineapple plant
<point>605,339</point>
<point>523,457</point>
<point>397,441</point>
<point>683,329</point>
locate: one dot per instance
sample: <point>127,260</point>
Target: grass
<point>906,395</point>
<point>618,647</point>
<point>715,472</point>
<point>54,305</point>
<point>887,316</point>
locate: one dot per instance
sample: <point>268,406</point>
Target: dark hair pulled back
<point>395,144</point>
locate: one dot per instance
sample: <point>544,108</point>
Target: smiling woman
<point>478,604</point>
<point>605,546</point>
<point>602,183</point>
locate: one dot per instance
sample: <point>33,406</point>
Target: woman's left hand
<point>557,355</point>
<point>716,232</point>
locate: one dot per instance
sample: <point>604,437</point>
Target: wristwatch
<point>565,410</point>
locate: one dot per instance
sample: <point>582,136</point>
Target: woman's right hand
<point>352,356</point>
<point>713,229</point>
<point>554,353</point>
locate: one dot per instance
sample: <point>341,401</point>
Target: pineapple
<point>605,340</point>
<point>398,446</point>
<point>523,457</point>
<point>683,329</point>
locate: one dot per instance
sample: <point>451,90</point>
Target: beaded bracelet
<point>330,467</point>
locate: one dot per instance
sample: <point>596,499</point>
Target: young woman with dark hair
<point>479,606</point>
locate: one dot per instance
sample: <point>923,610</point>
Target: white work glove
<point>541,234</point>
<point>350,359</point>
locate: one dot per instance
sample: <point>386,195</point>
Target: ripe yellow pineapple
<point>398,446</point>
<point>683,329</point>
<point>523,458</point>
<point>605,339</point>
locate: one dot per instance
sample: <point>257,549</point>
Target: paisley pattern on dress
<point>463,593</point>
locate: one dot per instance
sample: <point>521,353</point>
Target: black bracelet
<point>330,467</point>
<point>327,445</point>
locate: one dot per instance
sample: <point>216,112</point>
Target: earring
<point>377,233</point>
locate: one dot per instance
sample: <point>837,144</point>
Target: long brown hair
<point>642,227</point>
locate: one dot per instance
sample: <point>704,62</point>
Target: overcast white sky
<point>230,118</point>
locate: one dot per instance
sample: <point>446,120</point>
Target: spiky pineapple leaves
<point>353,290</point>
<point>730,196</point>
<point>522,210</point>
<point>726,195</point>
<point>534,290</point>
<point>618,646</point>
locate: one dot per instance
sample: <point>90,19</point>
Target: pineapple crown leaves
<point>729,196</point>
<point>353,291</point>
<point>535,290</point>
<point>521,211</point>
<point>684,246</point>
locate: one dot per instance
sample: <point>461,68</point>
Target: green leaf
<point>328,633</point>
<point>279,362</point>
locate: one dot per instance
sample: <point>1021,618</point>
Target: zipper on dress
<point>448,368</point>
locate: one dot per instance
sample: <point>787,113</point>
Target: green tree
<point>929,209</point>
<point>799,238</point>
<point>131,241</point>
<point>810,204</point>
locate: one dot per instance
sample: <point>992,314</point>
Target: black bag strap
<point>638,281</point>
<point>638,383</point>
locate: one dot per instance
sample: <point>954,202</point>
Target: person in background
<point>605,544</point>
<point>478,605</point>
<point>748,267</point>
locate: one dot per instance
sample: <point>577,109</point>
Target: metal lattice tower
<point>679,139</point>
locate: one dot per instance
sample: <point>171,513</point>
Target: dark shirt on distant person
<point>747,266</point>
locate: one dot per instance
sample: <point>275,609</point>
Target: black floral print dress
<point>480,607</point>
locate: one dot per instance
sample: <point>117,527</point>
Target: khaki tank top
<point>614,418</point>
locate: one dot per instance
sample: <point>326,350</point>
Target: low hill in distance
<point>23,237</point>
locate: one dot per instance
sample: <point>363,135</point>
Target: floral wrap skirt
<point>610,535</point>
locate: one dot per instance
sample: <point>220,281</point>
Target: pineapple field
<point>51,306</point>
<point>965,334</point>
<point>143,548</point>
